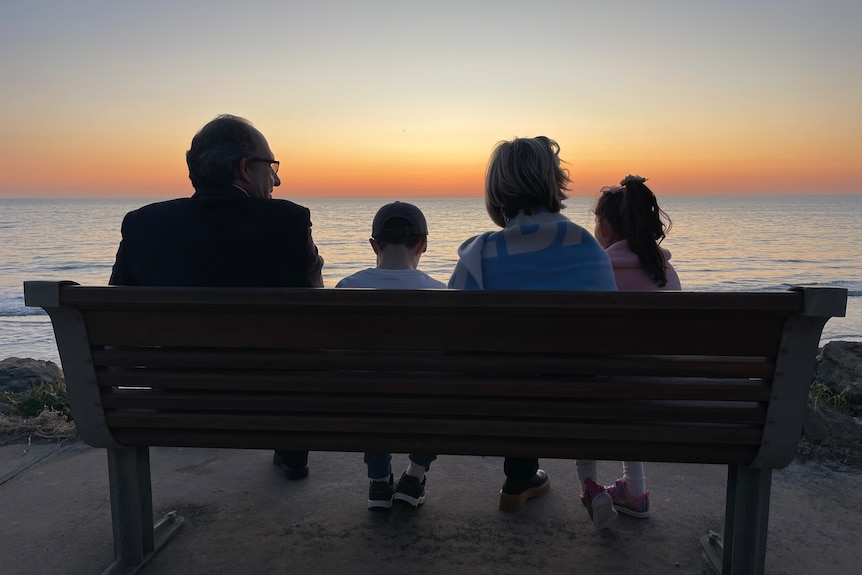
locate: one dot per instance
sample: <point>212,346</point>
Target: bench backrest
<point>653,376</point>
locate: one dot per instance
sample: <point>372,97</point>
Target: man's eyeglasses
<point>273,164</point>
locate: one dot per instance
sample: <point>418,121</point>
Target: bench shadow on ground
<point>324,522</point>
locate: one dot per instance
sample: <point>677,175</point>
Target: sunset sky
<point>407,98</point>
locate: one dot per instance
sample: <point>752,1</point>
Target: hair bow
<point>630,178</point>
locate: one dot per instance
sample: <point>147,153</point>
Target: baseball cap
<point>408,212</point>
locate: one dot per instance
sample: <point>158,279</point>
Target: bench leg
<point>746,522</point>
<point>135,536</point>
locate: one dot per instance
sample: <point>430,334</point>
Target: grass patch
<point>49,424</point>
<point>42,411</point>
<point>50,396</point>
<point>829,397</point>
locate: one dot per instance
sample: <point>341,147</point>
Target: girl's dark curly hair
<point>633,214</point>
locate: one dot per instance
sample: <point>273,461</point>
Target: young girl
<point>630,226</point>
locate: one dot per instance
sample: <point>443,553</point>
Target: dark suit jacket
<point>218,238</point>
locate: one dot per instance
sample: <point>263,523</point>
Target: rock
<point>830,435</point>
<point>823,424</point>
<point>839,366</point>
<point>20,374</point>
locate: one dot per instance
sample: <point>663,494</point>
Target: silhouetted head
<point>229,150</point>
<point>399,223</point>
<point>524,174</point>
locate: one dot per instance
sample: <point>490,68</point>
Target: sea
<point>718,243</point>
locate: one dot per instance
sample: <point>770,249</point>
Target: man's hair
<point>217,149</point>
<point>523,175</point>
<point>398,225</point>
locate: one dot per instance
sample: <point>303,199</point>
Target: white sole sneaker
<point>407,501</point>
<point>409,491</point>
<point>603,510</point>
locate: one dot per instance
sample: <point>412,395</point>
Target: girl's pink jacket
<point>629,274</point>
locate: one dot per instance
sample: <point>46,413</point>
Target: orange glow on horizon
<point>384,179</point>
<point>163,174</point>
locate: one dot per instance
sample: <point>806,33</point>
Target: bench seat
<point>688,377</point>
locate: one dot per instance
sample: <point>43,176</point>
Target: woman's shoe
<point>292,472</point>
<point>516,492</point>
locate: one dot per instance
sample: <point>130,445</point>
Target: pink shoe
<point>599,504</point>
<point>625,502</point>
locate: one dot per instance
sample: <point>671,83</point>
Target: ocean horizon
<point>718,243</point>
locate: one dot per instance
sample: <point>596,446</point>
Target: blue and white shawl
<point>543,251</point>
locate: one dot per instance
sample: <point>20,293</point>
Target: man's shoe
<point>380,494</point>
<point>516,492</point>
<point>291,472</point>
<point>410,492</point>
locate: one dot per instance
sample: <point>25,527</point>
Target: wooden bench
<point>687,377</point>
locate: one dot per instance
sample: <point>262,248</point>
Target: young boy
<point>399,237</point>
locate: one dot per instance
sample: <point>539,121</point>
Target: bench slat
<point>454,445</point>
<point>292,405</point>
<point>273,300</point>
<point>500,427</point>
<point>715,333</point>
<point>447,384</point>
<point>288,364</point>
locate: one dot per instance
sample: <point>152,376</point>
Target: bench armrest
<point>77,359</point>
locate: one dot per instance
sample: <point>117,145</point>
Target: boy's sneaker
<point>599,504</point>
<point>410,492</point>
<point>625,502</point>
<point>380,494</point>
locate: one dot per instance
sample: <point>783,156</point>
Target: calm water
<point>718,243</point>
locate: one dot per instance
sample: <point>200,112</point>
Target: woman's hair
<point>523,175</point>
<point>632,212</point>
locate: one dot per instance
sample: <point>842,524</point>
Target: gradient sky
<point>407,98</point>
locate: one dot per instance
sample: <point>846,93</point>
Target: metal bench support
<point>136,539</point>
<point>742,551</point>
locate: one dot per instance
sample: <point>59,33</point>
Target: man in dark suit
<point>230,233</point>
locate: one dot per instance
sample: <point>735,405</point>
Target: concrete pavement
<point>242,516</point>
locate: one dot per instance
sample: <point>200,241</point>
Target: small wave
<point>77,266</point>
<point>12,305</point>
<point>20,311</point>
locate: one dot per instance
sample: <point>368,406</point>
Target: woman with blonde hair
<point>538,248</point>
